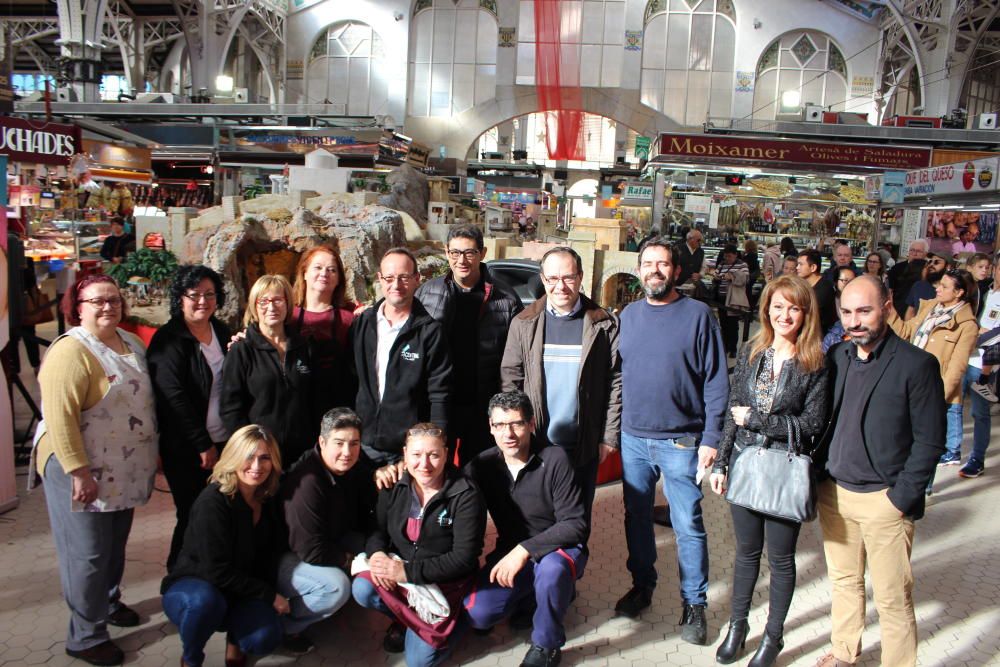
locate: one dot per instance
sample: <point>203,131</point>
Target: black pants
<point>186,479</point>
<point>752,528</point>
<point>730,325</point>
<point>470,425</point>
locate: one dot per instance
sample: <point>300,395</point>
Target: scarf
<point>938,316</point>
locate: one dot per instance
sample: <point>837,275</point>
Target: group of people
<point>329,452</point>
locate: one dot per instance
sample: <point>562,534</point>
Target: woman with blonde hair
<point>323,316</point>
<point>268,377</point>
<point>780,375</point>
<point>225,574</point>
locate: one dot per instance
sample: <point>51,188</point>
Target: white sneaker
<point>984,391</point>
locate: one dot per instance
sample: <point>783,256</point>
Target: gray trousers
<point>91,550</point>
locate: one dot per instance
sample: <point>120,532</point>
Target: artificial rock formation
<point>408,192</point>
<point>270,236</point>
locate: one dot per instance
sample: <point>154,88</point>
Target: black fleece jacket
<point>451,535</point>
<point>542,510</point>
<point>182,381</point>
<point>417,376</point>
<point>224,547</point>
<point>257,388</point>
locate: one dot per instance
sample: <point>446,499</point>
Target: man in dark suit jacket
<point>691,257</point>
<point>885,436</point>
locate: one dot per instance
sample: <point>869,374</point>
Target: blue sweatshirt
<point>675,382</point>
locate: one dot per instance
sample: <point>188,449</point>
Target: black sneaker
<point>395,638</point>
<point>694,629</point>
<point>298,644</point>
<point>105,654</point>
<point>633,602</point>
<point>538,656</point>
<point>124,617</point>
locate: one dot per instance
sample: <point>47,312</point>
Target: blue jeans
<point>418,652</point>
<point>314,592</point>
<point>980,416</point>
<point>199,610</point>
<point>551,581</point>
<point>643,460</point>
<point>953,440</point>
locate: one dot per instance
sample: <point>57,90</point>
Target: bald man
<point>875,466</point>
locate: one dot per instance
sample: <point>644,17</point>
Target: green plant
<point>157,265</point>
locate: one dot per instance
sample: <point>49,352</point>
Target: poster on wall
<point>506,37</point>
<point>744,82</point>
<point>633,40</point>
<point>912,228</point>
<point>953,233</point>
<point>862,86</point>
<point>8,489</point>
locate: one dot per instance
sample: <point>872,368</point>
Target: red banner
<point>33,142</point>
<point>557,77</point>
<point>743,150</point>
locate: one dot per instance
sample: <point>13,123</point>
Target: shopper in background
<point>95,450</point>
<point>978,382</point>
<point>531,494</point>
<point>875,266</point>
<point>268,378</point>
<point>836,334</point>
<point>924,289</point>
<point>946,328</point>
<point>753,264</point>
<point>430,527</point>
<point>843,257</point>
<point>323,317</point>
<point>118,244</point>
<point>808,266</point>
<point>224,578</point>
<point>327,500</point>
<point>674,391</point>
<point>691,257</point>
<point>781,376</point>
<point>731,273</point>
<point>403,366</point>
<point>882,442</point>
<point>980,266</point>
<point>772,265</point>
<point>902,275</point>
<point>790,265</point>
<point>185,363</point>
<point>476,313</point>
<point>562,351</point>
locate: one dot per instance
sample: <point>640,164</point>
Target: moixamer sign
<point>47,143</point>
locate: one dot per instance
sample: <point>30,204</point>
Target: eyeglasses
<point>568,281</point>
<point>402,279</point>
<point>198,296</point>
<point>434,432</point>
<point>517,425</point>
<point>99,302</point>
<point>468,254</point>
<point>277,302</point>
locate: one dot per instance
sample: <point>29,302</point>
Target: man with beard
<point>674,392</point>
<point>562,351</point>
<point>923,289</point>
<point>876,463</point>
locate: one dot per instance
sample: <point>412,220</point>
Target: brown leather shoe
<point>830,660</point>
<point>106,653</point>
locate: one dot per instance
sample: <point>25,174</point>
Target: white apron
<point>119,432</point>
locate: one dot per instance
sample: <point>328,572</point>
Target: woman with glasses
<point>95,449</point>
<point>430,529</point>
<point>323,316</point>
<point>946,327</point>
<point>226,572</point>
<point>267,377</point>
<point>185,362</point>
<point>875,266</point>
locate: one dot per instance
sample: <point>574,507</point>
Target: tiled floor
<point>955,562</point>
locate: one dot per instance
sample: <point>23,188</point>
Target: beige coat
<point>951,344</point>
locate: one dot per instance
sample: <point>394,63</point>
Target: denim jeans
<point>980,415</point>
<point>953,440</point>
<point>199,610</point>
<point>643,461</point>
<point>314,592</point>
<point>418,652</point>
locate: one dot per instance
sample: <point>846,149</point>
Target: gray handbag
<point>776,481</point>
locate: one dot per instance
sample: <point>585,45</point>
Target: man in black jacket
<point>327,499</point>
<point>476,314</point>
<point>885,436</point>
<point>534,500</point>
<point>402,362</point>
<point>808,267</point>
<point>691,257</point>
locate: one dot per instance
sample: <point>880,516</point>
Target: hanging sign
<point>37,142</point>
<point>642,148</point>
<point>638,191</point>
<point>912,228</point>
<point>697,204</point>
<point>950,179</point>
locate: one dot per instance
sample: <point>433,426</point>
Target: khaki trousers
<point>860,528</point>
